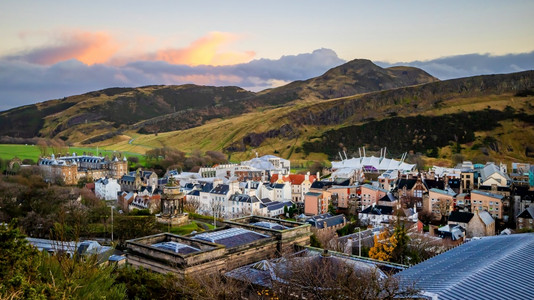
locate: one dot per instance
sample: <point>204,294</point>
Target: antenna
<point>345,154</point>
<point>341,157</point>
<point>385,148</point>
<point>360,151</point>
<point>363,151</point>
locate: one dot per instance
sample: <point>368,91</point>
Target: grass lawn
<point>186,229</point>
<point>9,151</point>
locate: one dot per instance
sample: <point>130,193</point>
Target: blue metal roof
<point>497,267</point>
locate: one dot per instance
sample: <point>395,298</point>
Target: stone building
<point>476,225</point>
<point>525,218</point>
<point>240,242</point>
<point>71,168</point>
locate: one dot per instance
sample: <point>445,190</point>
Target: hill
<point>488,117</point>
<point>100,115</point>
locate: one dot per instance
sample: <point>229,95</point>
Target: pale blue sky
<point>378,30</point>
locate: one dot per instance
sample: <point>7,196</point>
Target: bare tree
<point>192,205</point>
<point>329,240</point>
<point>328,277</point>
<point>212,286</point>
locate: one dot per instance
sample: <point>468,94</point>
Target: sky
<point>53,49</point>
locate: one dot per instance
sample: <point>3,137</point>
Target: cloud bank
<point>471,65</point>
<point>76,62</point>
<point>38,76</point>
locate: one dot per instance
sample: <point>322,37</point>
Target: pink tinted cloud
<point>101,48</point>
<point>208,50</point>
<point>87,47</point>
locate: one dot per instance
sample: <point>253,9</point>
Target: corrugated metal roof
<point>497,267</point>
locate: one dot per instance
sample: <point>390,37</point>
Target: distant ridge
<point>102,114</point>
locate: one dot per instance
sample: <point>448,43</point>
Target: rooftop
<point>231,237</point>
<point>496,267</point>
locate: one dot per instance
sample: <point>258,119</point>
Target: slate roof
<point>460,216</point>
<point>321,184</point>
<point>244,198</point>
<point>443,192</point>
<point>231,237</point>
<point>128,178</point>
<point>320,220</point>
<point>528,213</point>
<point>409,183</point>
<point>277,205</point>
<point>496,267</point>
<point>496,196</point>
<point>221,189</point>
<point>194,193</point>
<point>454,232</point>
<point>313,194</point>
<point>378,210</point>
<point>486,217</point>
<point>438,184</point>
<point>389,197</point>
<point>491,169</point>
<point>374,188</point>
<point>207,187</point>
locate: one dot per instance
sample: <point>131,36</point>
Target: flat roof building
<point>240,242</point>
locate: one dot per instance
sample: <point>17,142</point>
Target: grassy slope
<point>218,134</point>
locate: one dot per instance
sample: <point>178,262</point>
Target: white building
<point>276,191</point>
<point>107,188</point>
<point>269,163</point>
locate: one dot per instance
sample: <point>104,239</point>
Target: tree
<point>26,273</point>
<point>384,244</point>
<point>400,252</point>
<point>192,205</point>
<point>316,167</point>
<point>133,160</point>
<point>329,277</point>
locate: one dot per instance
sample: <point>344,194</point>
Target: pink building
<point>371,194</point>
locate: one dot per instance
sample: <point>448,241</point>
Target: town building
<point>240,242</point>
<point>371,194</point>
<point>300,184</point>
<point>70,169</point>
<point>492,203</point>
<point>525,219</point>
<point>477,224</point>
<point>107,188</point>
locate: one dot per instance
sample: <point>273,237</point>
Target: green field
<point>9,151</point>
